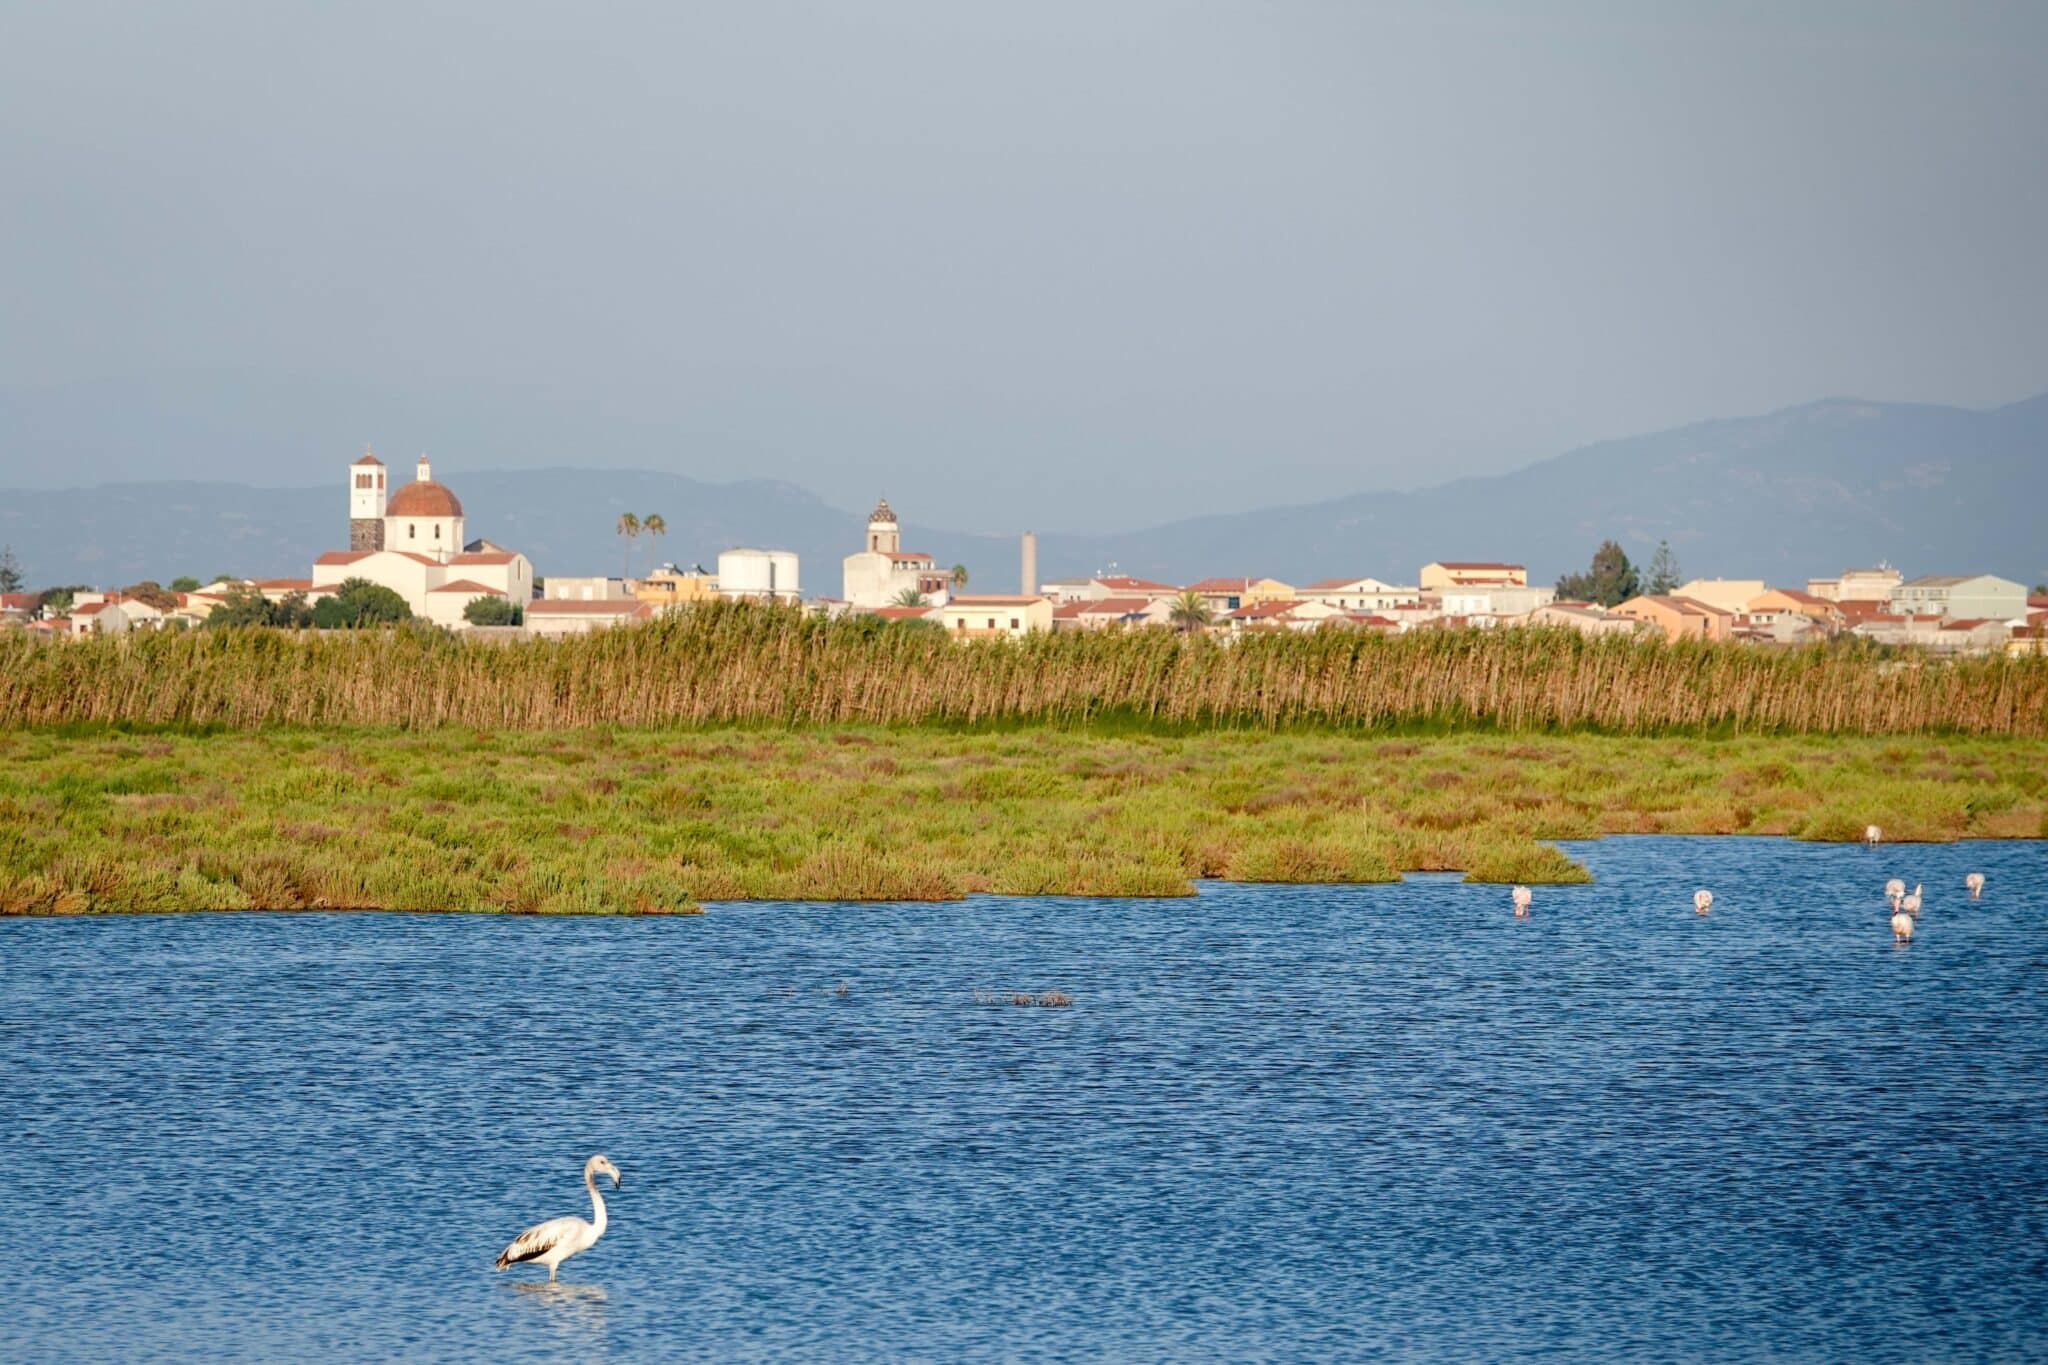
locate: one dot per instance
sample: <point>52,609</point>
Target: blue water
<point>1275,1122</point>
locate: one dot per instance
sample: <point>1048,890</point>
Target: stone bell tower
<point>366,503</point>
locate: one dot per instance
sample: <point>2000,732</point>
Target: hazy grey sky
<point>1076,265</point>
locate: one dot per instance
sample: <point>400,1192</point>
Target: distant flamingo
<point>1872,834</point>
<point>1911,903</point>
<point>1902,927</point>
<point>1521,898</point>
<point>1702,901</point>
<point>1975,881</point>
<point>1893,890</point>
<point>556,1240</point>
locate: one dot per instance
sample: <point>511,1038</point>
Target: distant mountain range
<point>1800,492</point>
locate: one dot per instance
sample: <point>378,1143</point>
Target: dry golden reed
<point>735,662</point>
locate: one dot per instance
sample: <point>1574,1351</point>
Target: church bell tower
<point>366,503</point>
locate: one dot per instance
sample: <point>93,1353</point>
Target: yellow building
<point>1269,590</point>
<point>671,587</point>
<point>1450,574</point>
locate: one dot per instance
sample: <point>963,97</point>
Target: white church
<point>879,574</point>
<point>412,543</point>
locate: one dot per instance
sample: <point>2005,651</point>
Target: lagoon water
<point>1276,1122</point>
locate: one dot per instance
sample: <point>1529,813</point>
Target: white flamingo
<point>1975,882</point>
<point>1872,834</point>
<point>1902,927</point>
<point>556,1240</point>
<point>1521,898</point>
<point>1894,890</point>
<point>1911,902</point>
<point>1702,901</point>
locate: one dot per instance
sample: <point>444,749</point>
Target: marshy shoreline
<point>98,818</point>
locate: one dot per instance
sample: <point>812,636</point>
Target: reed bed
<point>727,663</point>
<point>652,821</point>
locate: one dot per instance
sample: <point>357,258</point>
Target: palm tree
<point>629,527</point>
<point>958,577</point>
<point>1190,613</point>
<point>656,528</point>
<point>910,597</point>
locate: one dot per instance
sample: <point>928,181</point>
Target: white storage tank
<point>746,573</point>
<point>782,575</point>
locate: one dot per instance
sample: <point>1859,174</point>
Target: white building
<point>416,549</point>
<point>1008,615</point>
<point>882,572</point>
<point>1361,594</point>
<point>1495,601</point>
<point>1964,596</point>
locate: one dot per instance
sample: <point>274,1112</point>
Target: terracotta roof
<point>18,600</point>
<point>468,585</point>
<point>1067,611</point>
<point>91,609</point>
<point>424,498</point>
<point>904,613</point>
<point>911,557</point>
<point>483,557</point>
<point>1127,582</point>
<point>1114,606</point>
<point>343,556</point>
<point>1967,623</point>
<point>1213,585</point>
<point>368,458</point>
<point>1259,611</point>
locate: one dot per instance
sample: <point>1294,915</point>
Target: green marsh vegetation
<point>659,819</point>
<point>732,662</point>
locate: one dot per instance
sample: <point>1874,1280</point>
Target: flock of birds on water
<point>556,1240</point>
<point>1905,904</point>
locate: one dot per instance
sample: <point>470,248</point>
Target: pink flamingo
<point>1975,882</point>
<point>1521,898</point>
<point>1902,927</point>
<point>1702,901</point>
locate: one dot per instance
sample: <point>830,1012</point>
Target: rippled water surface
<point>1276,1121</point>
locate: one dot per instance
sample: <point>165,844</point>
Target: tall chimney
<point>1030,555</point>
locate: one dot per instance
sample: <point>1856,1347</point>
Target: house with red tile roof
<point>412,542</point>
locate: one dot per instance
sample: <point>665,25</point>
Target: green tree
<point>1190,612</point>
<point>958,577</point>
<point>55,602</point>
<point>240,606</point>
<point>358,603</point>
<point>10,570</point>
<point>491,611</point>
<point>1610,580</point>
<point>2039,590</point>
<point>1663,570</point>
<point>656,526</point>
<point>185,582</point>
<point>629,529</point>
<point>910,597</point>
<point>152,592</point>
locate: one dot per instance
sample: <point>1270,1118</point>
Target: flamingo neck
<point>596,1205</point>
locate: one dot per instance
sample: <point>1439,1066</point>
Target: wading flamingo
<point>1894,890</point>
<point>556,1240</point>
<point>1911,902</point>
<point>1702,901</point>
<point>1872,834</point>
<point>1902,927</point>
<point>1975,882</point>
<point>1521,898</point>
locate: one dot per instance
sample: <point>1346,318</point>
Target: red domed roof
<point>424,498</point>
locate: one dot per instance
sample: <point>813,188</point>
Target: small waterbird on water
<point>1975,883</point>
<point>556,1240</point>
<point>1902,927</point>
<point>1702,901</point>
<point>1521,897</point>
<point>1894,891</point>
<point>1872,834</point>
<point>1910,903</point>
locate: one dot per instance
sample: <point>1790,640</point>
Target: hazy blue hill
<point>1782,496</point>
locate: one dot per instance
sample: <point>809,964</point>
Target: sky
<point>1078,266</point>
